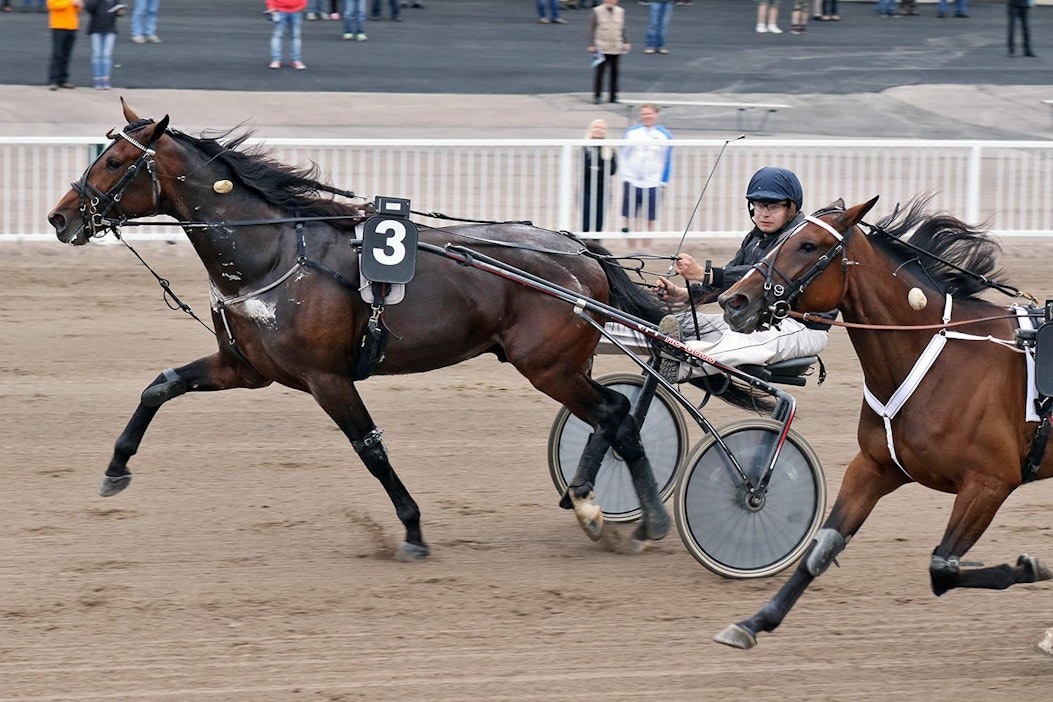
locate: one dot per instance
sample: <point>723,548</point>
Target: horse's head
<point>797,273</point>
<point>120,183</point>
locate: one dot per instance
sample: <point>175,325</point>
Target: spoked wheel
<point>737,535</point>
<point>664,436</point>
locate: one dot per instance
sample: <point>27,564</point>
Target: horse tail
<point>634,298</point>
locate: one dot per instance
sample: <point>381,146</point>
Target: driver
<point>773,198</point>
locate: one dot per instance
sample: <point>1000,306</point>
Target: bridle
<point>101,211</point>
<point>780,296</point>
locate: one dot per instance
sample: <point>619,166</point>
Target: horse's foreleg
<point>864,484</point>
<point>340,399</point>
<point>974,508</point>
<point>215,372</point>
<point>654,521</point>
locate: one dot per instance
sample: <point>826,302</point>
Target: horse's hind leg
<point>864,484</point>
<point>338,396</point>
<point>215,372</point>
<point>974,508</point>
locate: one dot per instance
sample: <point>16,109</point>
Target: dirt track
<point>251,557</point>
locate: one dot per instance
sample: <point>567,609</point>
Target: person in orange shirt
<point>63,20</point>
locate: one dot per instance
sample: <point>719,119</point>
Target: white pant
<point>731,348</point>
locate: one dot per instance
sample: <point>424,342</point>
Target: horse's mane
<point>295,190</point>
<point>946,237</point>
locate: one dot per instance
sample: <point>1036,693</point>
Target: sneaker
<point>334,16</point>
<point>105,83</point>
<point>53,86</point>
<point>559,20</point>
<point>298,65</point>
<point>153,39</point>
<point>544,20</point>
<point>663,51</point>
<point>773,29</point>
<point>669,368</point>
<point>311,16</point>
<point>67,85</point>
<point>138,40</point>
<point>762,28</point>
<point>648,50</point>
<point>275,64</point>
<point>361,37</point>
<point>348,36</point>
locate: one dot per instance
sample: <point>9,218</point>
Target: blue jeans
<point>548,8</point>
<point>887,7</point>
<point>378,6</point>
<point>354,16</point>
<point>961,7</point>
<point>658,27</point>
<point>144,18</point>
<point>102,54</point>
<point>293,21</point>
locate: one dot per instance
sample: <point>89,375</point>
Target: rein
<point>812,317</point>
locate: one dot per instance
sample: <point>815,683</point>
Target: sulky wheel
<point>739,536</point>
<point>664,436</point>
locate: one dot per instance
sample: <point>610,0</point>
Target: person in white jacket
<point>644,165</point>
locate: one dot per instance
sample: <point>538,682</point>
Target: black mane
<point>944,236</point>
<point>295,190</point>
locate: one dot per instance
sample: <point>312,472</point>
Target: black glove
<point>713,275</point>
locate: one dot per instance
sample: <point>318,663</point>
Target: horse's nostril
<point>735,302</point>
<point>57,221</point>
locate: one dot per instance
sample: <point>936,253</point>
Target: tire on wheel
<point>664,436</point>
<point>732,535</point>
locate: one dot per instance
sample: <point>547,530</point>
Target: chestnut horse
<point>919,422</point>
<point>280,264</point>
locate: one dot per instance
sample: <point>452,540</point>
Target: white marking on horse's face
<point>259,311</point>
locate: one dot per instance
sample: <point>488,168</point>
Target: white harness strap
<point>925,361</point>
<point>820,223</point>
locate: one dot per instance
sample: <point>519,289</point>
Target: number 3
<point>395,232</point>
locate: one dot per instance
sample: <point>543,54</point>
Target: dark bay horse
<point>944,407</point>
<point>280,263</point>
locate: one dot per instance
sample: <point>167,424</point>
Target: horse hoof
<point>409,553</point>
<point>641,545</point>
<point>111,485</point>
<point>736,636</point>
<point>590,517</point>
<point>1034,567</point>
<point>1046,644</point>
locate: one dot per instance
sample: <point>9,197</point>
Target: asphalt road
<point>497,47</point>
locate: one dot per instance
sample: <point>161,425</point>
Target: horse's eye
<point>112,163</point>
<point>808,247</point>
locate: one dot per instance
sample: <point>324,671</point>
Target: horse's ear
<point>156,131</point>
<point>129,114</point>
<point>855,214</point>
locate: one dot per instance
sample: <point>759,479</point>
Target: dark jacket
<point>100,19</point>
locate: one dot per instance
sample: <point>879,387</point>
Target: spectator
<point>548,11</point>
<point>799,17</point>
<point>599,163</point>
<point>1019,10</point>
<point>355,20</point>
<point>767,16</point>
<point>608,39</point>
<point>645,167</point>
<point>961,9</point>
<point>144,21</point>
<point>378,6</point>
<point>886,8</point>
<point>908,7</point>
<point>659,12</point>
<point>287,15</point>
<point>63,22</point>
<point>102,28</point>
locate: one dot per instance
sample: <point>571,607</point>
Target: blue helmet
<point>771,184</point>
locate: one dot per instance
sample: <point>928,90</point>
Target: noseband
<point>781,296</point>
<point>97,208</point>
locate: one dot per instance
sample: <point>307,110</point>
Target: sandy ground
<point>251,558</point>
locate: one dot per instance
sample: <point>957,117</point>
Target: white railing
<point>1003,183</point>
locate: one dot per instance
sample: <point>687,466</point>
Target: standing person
<point>287,15</point>
<point>767,16</point>
<point>355,20</point>
<point>1019,10</point>
<point>378,6</point>
<point>659,12</point>
<point>799,17</point>
<point>961,9</point>
<point>830,10</point>
<point>608,37</point>
<point>645,167</point>
<point>548,11</point>
<point>599,163</point>
<point>102,28</point>
<point>773,198</point>
<point>144,21</point>
<point>63,22</point>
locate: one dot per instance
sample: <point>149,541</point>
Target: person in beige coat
<point>608,40</point>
